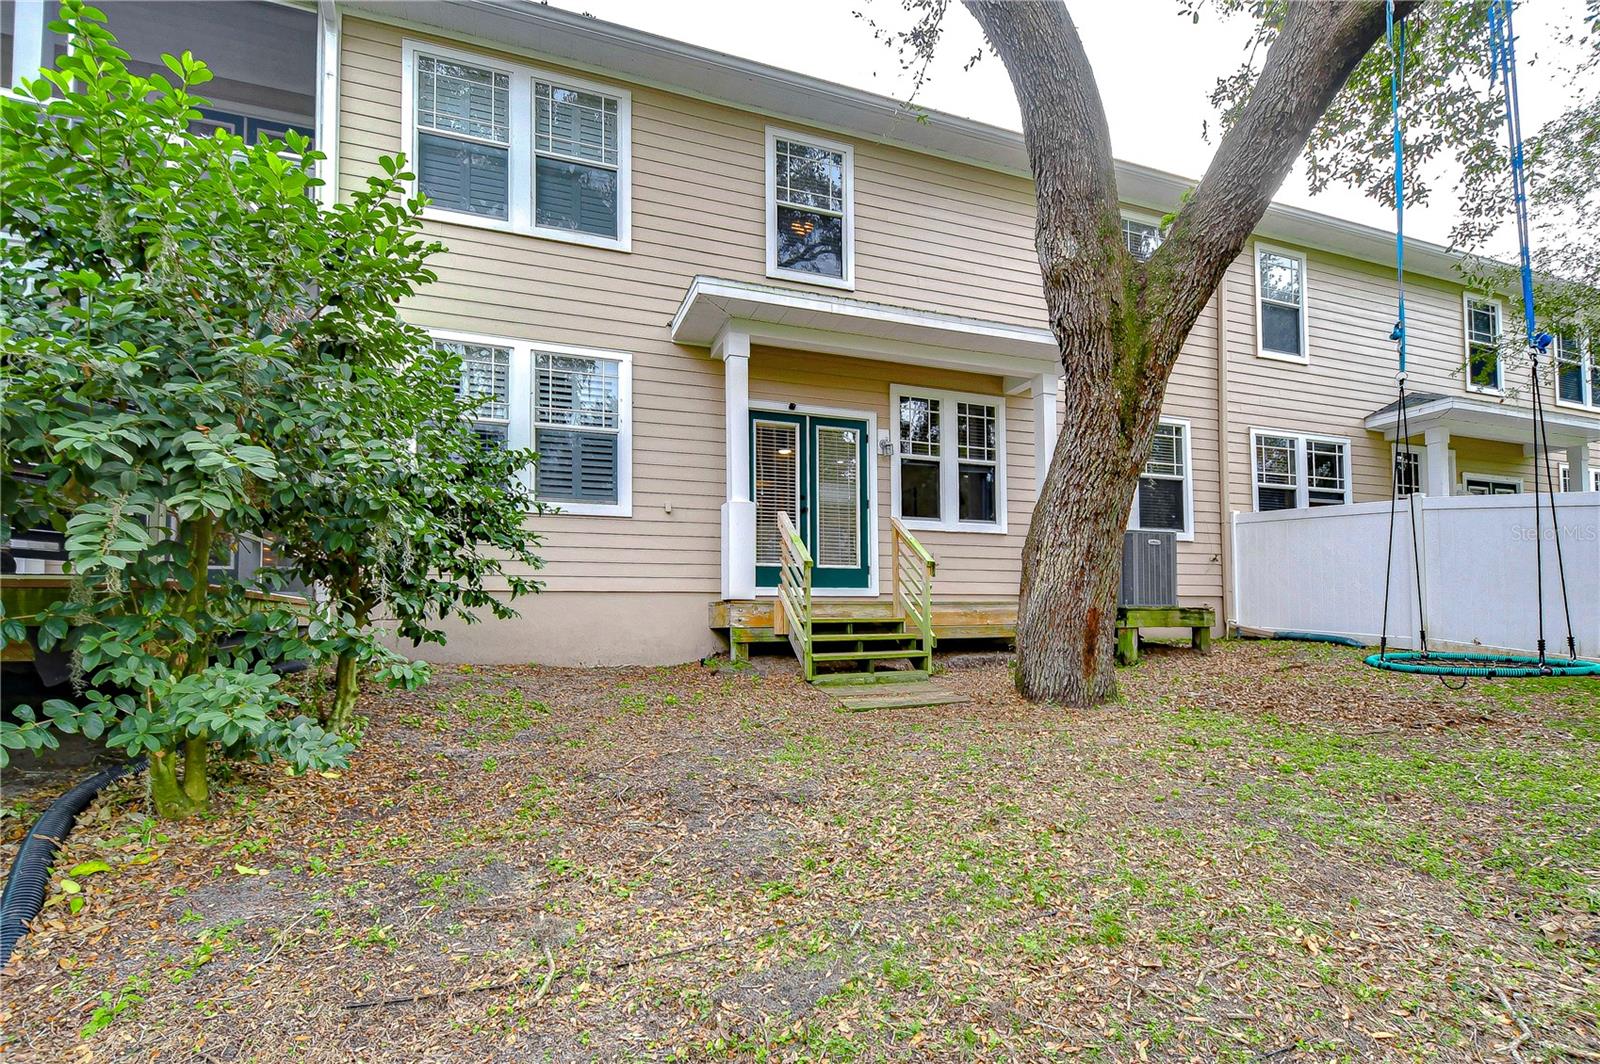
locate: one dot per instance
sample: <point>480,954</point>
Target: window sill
<point>923,525</point>
<point>847,282</point>
<point>588,509</point>
<point>1280,356</point>
<point>1587,408</point>
<point>1483,389</point>
<point>563,236</point>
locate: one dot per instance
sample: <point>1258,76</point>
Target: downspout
<point>1224,476</point>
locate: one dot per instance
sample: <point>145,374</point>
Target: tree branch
<point>1309,62</point>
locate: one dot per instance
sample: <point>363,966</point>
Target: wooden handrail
<point>793,615</point>
<point>911,570</point>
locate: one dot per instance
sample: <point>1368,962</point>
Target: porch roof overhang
<point>1479,419</point>
<point>713,307</point>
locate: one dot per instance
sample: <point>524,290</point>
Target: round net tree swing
<point>1424,659</point>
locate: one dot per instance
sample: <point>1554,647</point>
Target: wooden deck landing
<point>750,620</point>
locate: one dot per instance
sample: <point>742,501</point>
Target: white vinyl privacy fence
<point>1321,571</point>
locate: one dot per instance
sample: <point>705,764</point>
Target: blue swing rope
<point>1503,60</point>
<point>1397,50</point>
<point>1502,66</point>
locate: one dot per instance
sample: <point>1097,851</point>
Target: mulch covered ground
<point>1272,853</point>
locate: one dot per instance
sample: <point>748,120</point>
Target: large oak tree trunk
<point>1120,323</point>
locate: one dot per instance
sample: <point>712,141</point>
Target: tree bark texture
<point>1120,323</point>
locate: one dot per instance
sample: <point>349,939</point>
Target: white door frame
<point>873,503</point>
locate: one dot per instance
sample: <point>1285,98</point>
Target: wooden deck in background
<point>750,620</point>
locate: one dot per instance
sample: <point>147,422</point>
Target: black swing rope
<point>1451,663</point>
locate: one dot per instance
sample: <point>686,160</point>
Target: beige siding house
<point>710,292</point>
<point>746,291</point>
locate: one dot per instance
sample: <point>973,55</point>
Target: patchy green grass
<point>1270,853</point>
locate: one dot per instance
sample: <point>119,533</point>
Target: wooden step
<point>869,655</point>
<point>849,679</point>
<point>828,622</point>
<point>900,696</point>
<point>845,637</point>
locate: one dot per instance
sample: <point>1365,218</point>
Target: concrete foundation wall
<point>577,628</point>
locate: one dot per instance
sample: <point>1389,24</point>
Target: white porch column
<point>1044,426</point>
<point>1438,445</point>
<point>30,39</point>
<point>1579,477</point>
<point>732,346</point>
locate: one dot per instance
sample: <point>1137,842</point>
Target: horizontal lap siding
<point>970,564</point>
<point>929,233</point>
<point>1351,310</point>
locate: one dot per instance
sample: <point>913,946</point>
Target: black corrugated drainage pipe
<point>30,873</point>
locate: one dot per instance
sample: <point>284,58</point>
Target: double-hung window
<point>1281,304</point>
<point>1290,470</point>
<point>486,376</point>
<point>496,143</point>
<point>1483,344</point>
<point>810,223</point>
<point>1578,368</point>
<point>1162,502</point>
<point>573,406</point>
<point>1141,236</point>
<point>463,123</point>
<point>577,427</point>
<point>949,459</point>
<point>576,159</point>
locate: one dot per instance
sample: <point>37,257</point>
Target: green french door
<point>813,468</point>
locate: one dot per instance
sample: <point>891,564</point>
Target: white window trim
<point>949,460</point>
<point>1586,359</point>
<point>1187,535</point>
<point>1564,471</point>
<point>519,429</point>
<point>520,162</point>
<point>1421,453</point>
<point>1304,358</point>
<point>1145,218</point>
<point>848,281</point>
<point>1493,478</point>
<point>1467,299</point>
<point>1302,487</point>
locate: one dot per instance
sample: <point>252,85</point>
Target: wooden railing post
<point>911,581</point>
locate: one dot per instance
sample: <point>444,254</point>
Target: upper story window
<point>949,462</point>
<point>1142,237</point>
<point>1281,309</point>
<point>1483,345</point>
<point>810,223</point>
<point>503,145</point>
<point>571,405</point>
<point>577,158</point>
<point>1290,470</point>
<point>1164,498</point>
<point>1578,368</point>
<point>463,136</point>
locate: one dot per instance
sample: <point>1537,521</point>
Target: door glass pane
<point>777,485</point>
<point>838,497</point>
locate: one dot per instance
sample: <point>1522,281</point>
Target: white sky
<point>1155,70</point>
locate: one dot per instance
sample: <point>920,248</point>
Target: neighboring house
<point>709,291</point>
